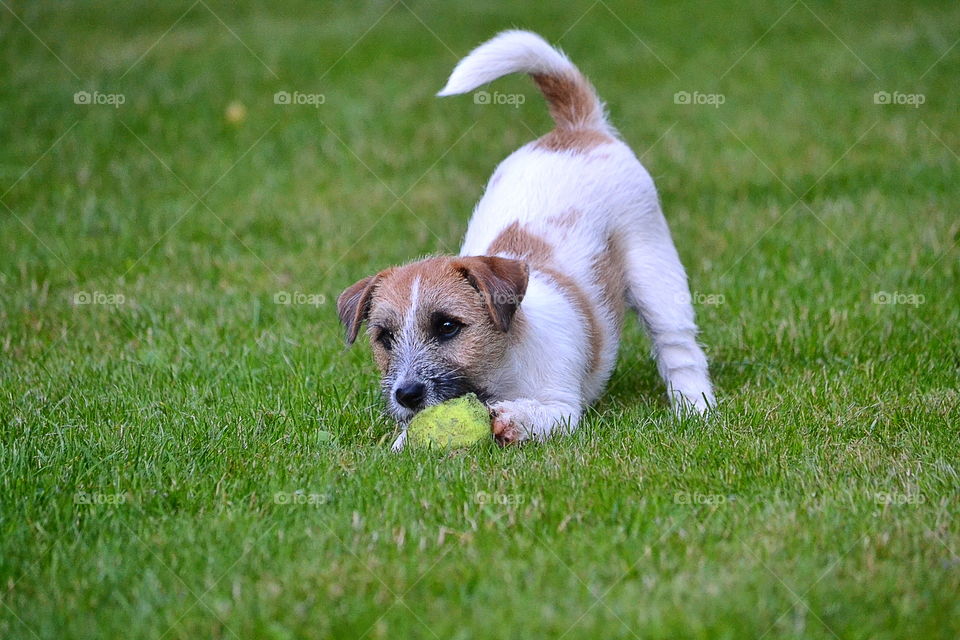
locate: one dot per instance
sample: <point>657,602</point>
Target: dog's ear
<point>501,281</point>
<point>353,305</point>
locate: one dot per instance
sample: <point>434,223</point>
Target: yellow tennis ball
<point>453,424</point>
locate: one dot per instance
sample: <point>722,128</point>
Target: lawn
<point>187,448</point>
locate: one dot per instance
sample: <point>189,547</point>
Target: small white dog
<point>528,317</point>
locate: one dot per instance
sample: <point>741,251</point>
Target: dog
<point>568,234</point>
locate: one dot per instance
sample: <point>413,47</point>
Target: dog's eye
<point>447,329</point>
<point>385,338</point>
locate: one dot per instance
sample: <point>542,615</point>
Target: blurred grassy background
<point>821,502</point>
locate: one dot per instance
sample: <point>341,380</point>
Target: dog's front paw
<point>507,424</point>
<point>691,394</point>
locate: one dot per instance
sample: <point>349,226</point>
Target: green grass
<point>820,502</point>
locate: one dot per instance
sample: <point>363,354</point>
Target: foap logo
<point>898,297</point>
<point>98,297</point>
<point>299,297</point>
<point>686,497</point>
<point>897,499</point>
<point>512,99</point>
<point>907,99</point>
<point>299,98</point>
<point>86,497</point>
<point>496,298</point>
<point>95,97</point>
<point>696,98</point>
<point>301,498</point>
<point>699,298</point>
<point>482,497</point>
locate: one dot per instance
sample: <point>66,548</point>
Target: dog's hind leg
<point>657,289</point>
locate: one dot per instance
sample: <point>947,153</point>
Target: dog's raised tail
<point>572,100</point>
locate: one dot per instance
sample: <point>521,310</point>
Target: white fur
<point>542,387</point>
<point>407,353</point>
<point>508,52</point>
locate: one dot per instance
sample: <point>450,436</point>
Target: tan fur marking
<point>609,272</point>
<point>576,140</point>
<point>523,245</point>
<point>573,106</point>
<point>394,288</point>
<point>579,298</point>
<point>501,282</point>
<point>570,97</point>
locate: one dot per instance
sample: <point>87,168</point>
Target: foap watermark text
<point>98,297</point>
<point>897,98</point>
<point>300,297</point>
<point>301,498</point>
<point>483,497</point>
<point>96,98</point>
<point>299,98</point>
<point>510,99</point>
<point>700,298</point>
<point>696,98</point>
<point>898,298</point>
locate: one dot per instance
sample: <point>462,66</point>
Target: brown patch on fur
<point>353,305</point>
<point>574,107</point>
<point>500,281</point>
<point>609,271</point>
<point>571,99</point>
<point>523,245</point>
<point>565,220</point>
<point>394,288</point>
<point>576,140</point>
<point>573,292</point>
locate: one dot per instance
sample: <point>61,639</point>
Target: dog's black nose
<point>410,394</point>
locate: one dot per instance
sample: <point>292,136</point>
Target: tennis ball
<point>453,424</point>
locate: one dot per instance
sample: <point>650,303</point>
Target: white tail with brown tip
<point>573,102</point>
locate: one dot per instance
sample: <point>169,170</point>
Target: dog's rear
<point>581,196</point>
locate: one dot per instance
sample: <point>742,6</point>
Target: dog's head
<point>438,327</point>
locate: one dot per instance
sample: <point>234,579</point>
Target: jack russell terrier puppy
<point>568,233</point>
